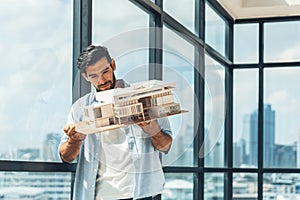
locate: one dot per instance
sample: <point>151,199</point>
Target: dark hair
<point>91,55</point>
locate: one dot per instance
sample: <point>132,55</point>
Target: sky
<point>36,81</point>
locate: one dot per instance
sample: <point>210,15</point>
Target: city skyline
<point>274,155</point>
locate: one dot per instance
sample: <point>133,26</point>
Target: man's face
<point>101,74</point>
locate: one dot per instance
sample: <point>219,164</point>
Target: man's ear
<point>113,64</point>
<point>84,75</point>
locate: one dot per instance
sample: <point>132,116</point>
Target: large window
<point>265,96</point>
<point>245,118</point>
<point>178,66</point>
<point>246,43</point>
<point>238,79</point>
<point>36,82</point>
<point>215,30</point>
<point>282,41</point>
<point>35,97</point>
<point>35,185</point>
<point>281,127</point>
<point>214,113</point>
<point>182,11</point>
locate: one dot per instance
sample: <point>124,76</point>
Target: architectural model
<point>141,102</point>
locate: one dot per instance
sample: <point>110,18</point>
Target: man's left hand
<point>150,127</point>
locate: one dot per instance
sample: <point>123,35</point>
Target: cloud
<point>283,101</point>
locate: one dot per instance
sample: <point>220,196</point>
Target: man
<point>118,164</point>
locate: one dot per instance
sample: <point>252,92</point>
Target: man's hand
<point>74,137</point>
<point>160,141</point>
<point>70,149</point>
<point>150,127</point>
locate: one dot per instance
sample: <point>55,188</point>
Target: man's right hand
<point>70,149</point>
<point>74,136</point>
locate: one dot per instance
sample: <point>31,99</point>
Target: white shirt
<point>116,169</point>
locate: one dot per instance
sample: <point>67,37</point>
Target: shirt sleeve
<point>75,115</point>
<point>165,126</point>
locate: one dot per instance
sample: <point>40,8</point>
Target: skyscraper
<point>50,147</point>
<point>250,133</point>
<point>269,136</point>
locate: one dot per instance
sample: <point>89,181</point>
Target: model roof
<point>135,91</point>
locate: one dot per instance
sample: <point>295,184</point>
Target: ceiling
<point>241,9</point>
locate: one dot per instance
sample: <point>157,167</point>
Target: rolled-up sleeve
<point>165,126</point>
<point>75,115</point>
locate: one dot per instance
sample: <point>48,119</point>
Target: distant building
<point>50,148</point>
<point>34,185</point>
<point>286,156</point>
<point>250,126</point>
<point>240,156</point>
<point>28,154</point>
<point>182,149</point>
<point>250,134</point>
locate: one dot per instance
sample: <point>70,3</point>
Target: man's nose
<point>101,80</point>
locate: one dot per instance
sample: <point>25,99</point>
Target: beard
<point>112,84</point>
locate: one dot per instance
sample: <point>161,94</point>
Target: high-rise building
<point>51,143</point>
<point>250,123</point>
<point>269,136</point>
<point>250,134</point>
<point>286,155</point>
<point>240,156</point>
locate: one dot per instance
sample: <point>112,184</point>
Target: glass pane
<point>213,186</point>
<point>282,41</point>
<point>178,186</point>
<point>36,77</point>
<point>214,113</point>
<point>281,117</point>
<point>245,121</point>
<point>245,43</point>
<point>244,186</point>
<point>281,186</point>
<point>35,185</point>
<point>215,30</point>
<point>178,67</point>
<point>182,11</point>
<point>126,35</point>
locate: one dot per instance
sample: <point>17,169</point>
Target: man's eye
<point>94,76</point>
<point>105,71</point>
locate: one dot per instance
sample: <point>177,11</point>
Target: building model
<point>116,108</point>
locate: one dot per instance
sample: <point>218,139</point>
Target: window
<point>35,185</point>
<point>214,186</point>
<point>182,11</point>
<point>214,113</point>
<point>178,66</point>
<point>281,117</point>
<point>245,43</point>
<point>282,42</point>
<point>36,95</point>
<point>36,78</point>
<point>215,30</point>
<point>245,118</point>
